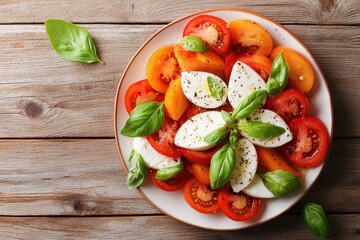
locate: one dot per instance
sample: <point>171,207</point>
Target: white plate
<point>173,204</point>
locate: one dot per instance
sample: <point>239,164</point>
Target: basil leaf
<point>71,41</point>
<point>315,219</point>
<point>194,44</point>
<point>137,171</point>
<point>226,116</point>
<point>280,182</point>
<point>145,119</point>
<point>278,76</point>
<point>260,130</point>
<point>217,135</point>
<point>217,90</point>
<point>166,173</point>
<point>249,104</point>
<point>234,138</point>
<point>221,166</point>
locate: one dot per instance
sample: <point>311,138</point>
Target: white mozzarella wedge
<point>243,81</point>
<point>196,88</point>
<point>192,133</point>
<point>246,165</point>
<point>151,157</point>
<point>257,189</point>
<point>271,117</point>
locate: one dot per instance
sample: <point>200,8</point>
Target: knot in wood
<point>32,108</point>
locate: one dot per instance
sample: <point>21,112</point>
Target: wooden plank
<point>84,177</point>
<point>43,95</point>
<point>162,227</point>
<point>145,11</point>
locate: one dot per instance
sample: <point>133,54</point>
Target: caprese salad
<point>223,116</point>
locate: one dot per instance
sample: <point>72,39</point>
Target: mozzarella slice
<point>243,81</point>
<point>271,117</point>
<point>246,165</point>
<point>195,87</point>
<point>257,189</point>
<point>151,157</point>
<point>192,133</point>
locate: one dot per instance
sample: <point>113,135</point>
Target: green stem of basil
<point>145,119</point>
<point>71,41</point>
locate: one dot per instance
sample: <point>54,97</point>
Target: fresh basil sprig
<point>71,41</point>
<point>233,139</point>
<point>169,172</point>
<point>145,119</point>
<point>315,219</point>
<point>249,104</point>
<point>137,171</point>
<point>280,182</point>
<point>221,166</point>
<point>260,130</point>
<point>194,44</point>
<point>278,76</point>
<point>216,136</point>
<point>217,90</point>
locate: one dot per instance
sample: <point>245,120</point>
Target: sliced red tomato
<point>310,144</point>
<point>212,30</point>
<point>199,157</point>
<point>163,140</point>
<point>238,206</point>
<point>140,92</point>
<point>190,112</point>
<point>173,184</point>
<point>200,196</point>
<point>289,104</point>
<point>259,63</point>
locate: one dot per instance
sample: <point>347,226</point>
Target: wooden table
<point>60,175</point>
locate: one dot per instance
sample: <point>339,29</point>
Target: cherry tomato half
<point>310,144</point>
<point>173,184</point>
<point>238,206</point>
<point>289,104</point>
<point>140,92</point>
<point>200,196</point>
<point>163,140</point>
<point>212,30</point>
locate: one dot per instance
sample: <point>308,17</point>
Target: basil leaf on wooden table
<point>194,44</point>
<point>169,172</point>
<point>315,219</point>
<point>217,90</point>
<point>221,166</point>
<point>260,130</point>
<point>216,136</point>
<point>280,182</point>
<point>249,104</point>
<point>137,171</point>
<point>71,41</point>
<point>278,76</point>
<point>145,119</point>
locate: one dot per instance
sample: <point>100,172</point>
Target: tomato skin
<point>289,104</point>
<point>310,144</point>
<point>163,140</point>
<point>140,92</point>
<point>259,63</point>
<point>230,201</point>
<point>173,184</point>
<point>190,112</point>
<point>199,157</point>
<point>162,68</point>
<point>200,172</point>
<point>204,26</point>
<point>200,196</point>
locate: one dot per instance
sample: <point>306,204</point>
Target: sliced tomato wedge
<point>238,206</point>
<point>200,196</point>
<point>259,63</point>
<point>310,144</point>
<point>199,157</point>
<point>289,104</point>
<point>190,112</point>
<point>140,92</point>
<point>212,30</point>
<point>173,184</point>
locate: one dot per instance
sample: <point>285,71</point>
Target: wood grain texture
<point>161,227</point>
<point>80,177</point>
<point>145,11</point>
<point>43,95</point>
